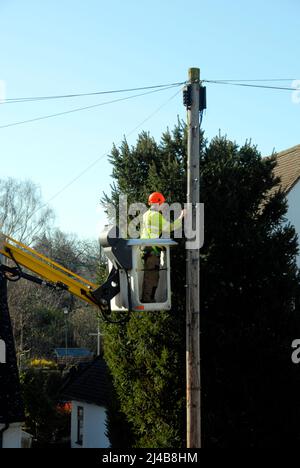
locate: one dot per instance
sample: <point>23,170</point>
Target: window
<point>79,425</point>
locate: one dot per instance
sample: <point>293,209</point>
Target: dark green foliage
<point>40,388</point>
<point>47,331</point>
<point>148,167</point>
<point>248,321</point>
<point>147,356</point>
<point>118,430</point>
<point>147,372</point>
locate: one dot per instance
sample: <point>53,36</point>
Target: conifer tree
<point>249,282</point>
<point>147,356</point>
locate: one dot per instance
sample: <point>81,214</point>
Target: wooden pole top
<point>194,74</point>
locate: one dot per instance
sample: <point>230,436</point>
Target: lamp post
<point>66,332</point>
<point>21,355</point>
<point>98,335</point>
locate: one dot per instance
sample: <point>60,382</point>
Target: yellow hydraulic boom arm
<point>55,275</point>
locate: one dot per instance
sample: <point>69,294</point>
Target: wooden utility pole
<point>193,266</point>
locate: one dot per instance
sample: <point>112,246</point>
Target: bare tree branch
<point>23,214</point>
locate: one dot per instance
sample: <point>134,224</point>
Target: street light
<point>66,332</point>
<point>21,355</point>
<point>98,335</point>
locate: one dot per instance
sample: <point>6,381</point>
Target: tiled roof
<point>89,383</point>
<point>11,405</point>
<point>288,167</point>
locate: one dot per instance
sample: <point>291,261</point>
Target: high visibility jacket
<point>154,225</point>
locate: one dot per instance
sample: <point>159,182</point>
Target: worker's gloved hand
<point>183,213</point>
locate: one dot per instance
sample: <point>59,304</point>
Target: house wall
<point>12,437</point>
<point>94,426</point>
<point>293,214</point>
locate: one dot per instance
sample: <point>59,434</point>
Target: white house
<point>88,393</point>
<point>288,170</point>
<point>10,435</point>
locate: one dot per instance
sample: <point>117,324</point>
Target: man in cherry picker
<point>154,225</point>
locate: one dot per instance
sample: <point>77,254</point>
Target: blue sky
<point>71,46</point>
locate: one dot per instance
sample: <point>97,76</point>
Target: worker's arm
<point>167,227</point>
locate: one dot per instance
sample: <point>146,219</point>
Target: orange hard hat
<point>156,197</point>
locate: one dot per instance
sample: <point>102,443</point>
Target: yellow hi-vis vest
<point>154,225</point>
